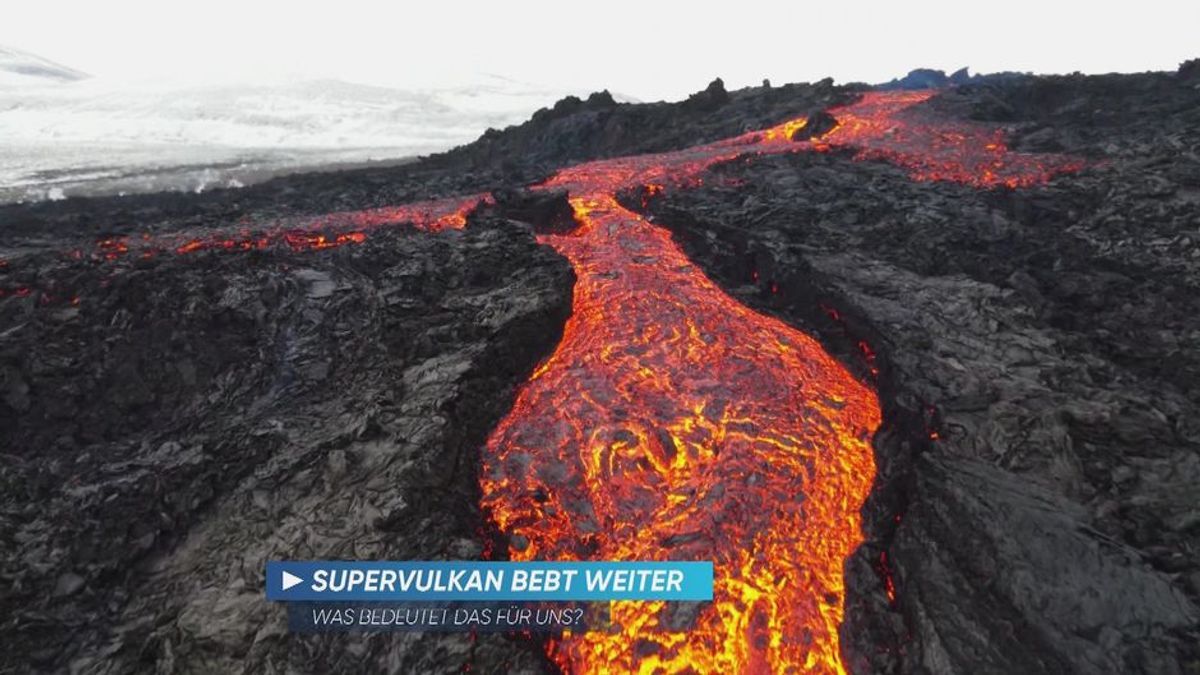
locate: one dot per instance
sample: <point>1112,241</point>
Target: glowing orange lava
<point>318,233</point>
<point>305,234</point>
<point>884,125</point>
<point>673,423</point>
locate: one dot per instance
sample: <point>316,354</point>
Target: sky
<point>644,49</point>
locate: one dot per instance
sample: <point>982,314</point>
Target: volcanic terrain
<point>918,370</point>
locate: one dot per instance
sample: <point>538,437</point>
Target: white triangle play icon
<point>290,580</point>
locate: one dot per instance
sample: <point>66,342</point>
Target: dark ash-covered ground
<point>1038,504</point>
<point>198,417</point>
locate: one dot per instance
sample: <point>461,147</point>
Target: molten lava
<point>886,125</point>
<point>306,234</point>
<point>673,423</point>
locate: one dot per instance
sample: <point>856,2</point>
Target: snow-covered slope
<point>64,137</point>
<point>22,68</point>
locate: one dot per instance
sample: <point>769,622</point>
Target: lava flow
<point>673,423</point>
<point>886,125</point>
<point>312,234</point>
<point>339,229</point>
<point>331,230</point>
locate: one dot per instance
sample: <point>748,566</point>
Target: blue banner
<point>480,581</point>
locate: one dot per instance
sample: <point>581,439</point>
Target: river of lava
<point>314,233</point>
<point>889,125</point>
<point>674,423</point>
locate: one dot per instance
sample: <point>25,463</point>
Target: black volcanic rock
<point>960,76</point>
<point>710,98</point>
<point>546,210</point>
<point>1189,71</point>
<point>921,78</point>
<point>819,123</point>
<point>205,413</point>
<point>601,99</point>
<point>928,78</point>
